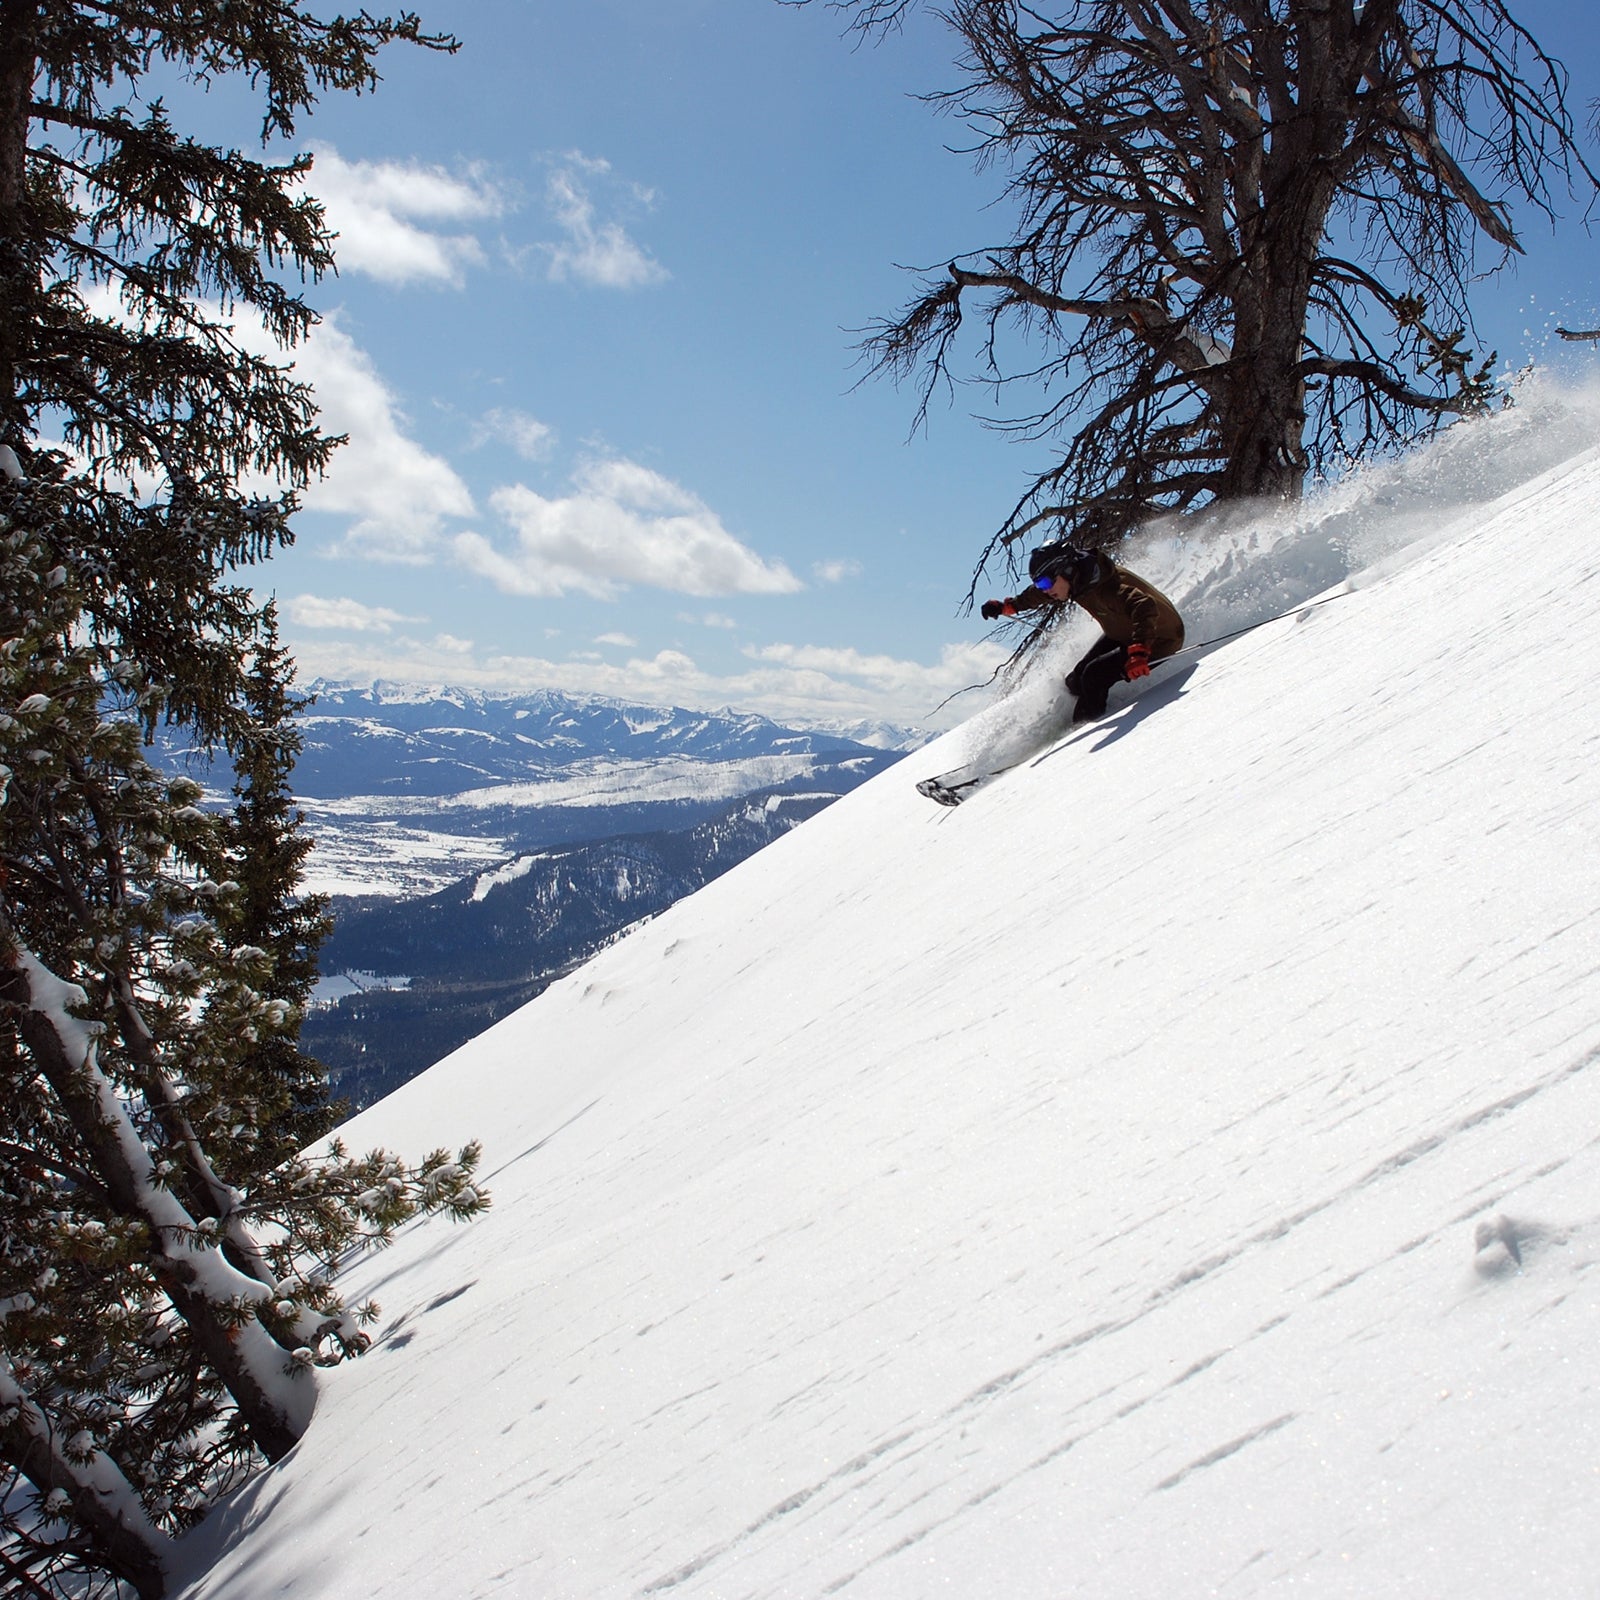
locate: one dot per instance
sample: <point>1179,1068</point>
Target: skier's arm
<point>1144,610</point>
<point>1009,607</point>
<point>1144,613</point>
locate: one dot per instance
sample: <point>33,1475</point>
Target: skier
<point>1138,623</point>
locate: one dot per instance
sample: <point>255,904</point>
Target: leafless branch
<point>1177,171</point>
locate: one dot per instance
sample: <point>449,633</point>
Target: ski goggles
<point>1046,583</point>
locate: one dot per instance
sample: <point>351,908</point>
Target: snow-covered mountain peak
<point>1172,1173</point>
<point>403,740</point>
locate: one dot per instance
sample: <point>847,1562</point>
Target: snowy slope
<point>1077,1193</point>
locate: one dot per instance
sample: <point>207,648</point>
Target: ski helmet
<point>1081,568</point>
<point>1051,560</point>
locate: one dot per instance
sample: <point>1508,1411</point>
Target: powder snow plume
<point>1241,565</point>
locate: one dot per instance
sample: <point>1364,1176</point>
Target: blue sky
<point>591,339</point>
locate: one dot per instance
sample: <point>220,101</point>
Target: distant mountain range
<point>403,739</point>
<point>408,788</point>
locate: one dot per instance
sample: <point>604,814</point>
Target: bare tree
<point>1244,233</point>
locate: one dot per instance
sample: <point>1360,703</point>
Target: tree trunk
<point>1264,431</point>
<point>18,21</point>
<point>206,1292</point>
<point>104,1504</point>
<point>1264,438</point>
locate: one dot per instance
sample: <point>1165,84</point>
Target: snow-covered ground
<point>1114,1187</point>
<point>357,855</point>
<point>598,781</point>
<point>404,846</point>
<point>330,990</point>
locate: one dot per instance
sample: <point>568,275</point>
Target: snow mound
<point>1172,1173</point>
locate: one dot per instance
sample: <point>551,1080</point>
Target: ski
<point>957,786</point>
<point>946,794</point>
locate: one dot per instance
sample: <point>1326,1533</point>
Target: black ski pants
<point>1105,663</point>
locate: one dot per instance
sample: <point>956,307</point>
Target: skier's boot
<point>943,793</point>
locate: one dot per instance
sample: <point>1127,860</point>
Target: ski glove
<point>1138,662</point>
<point>991,610</point>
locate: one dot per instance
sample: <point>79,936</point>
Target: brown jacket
<point>1128,608</point>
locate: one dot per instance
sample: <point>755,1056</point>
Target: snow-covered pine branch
<point>166,1287</point>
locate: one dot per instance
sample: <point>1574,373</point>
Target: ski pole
<point>1222,638</point>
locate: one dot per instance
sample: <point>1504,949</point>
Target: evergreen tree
<point>267,848</point>
<point>166,1249</point>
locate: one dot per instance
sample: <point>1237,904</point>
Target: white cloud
<point>530,438</point>
<point>399,492</point>
<point>620,640</point>
<point>836,571</point>
<point>884,674</point>
<point>349,616</point>
<point>708,619</point>
<point>624,526</point>
<point>597,251</point>
<point>784,682</point>
<point>386,214</point>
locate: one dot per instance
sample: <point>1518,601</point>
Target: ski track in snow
<point>1113,1187</point>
